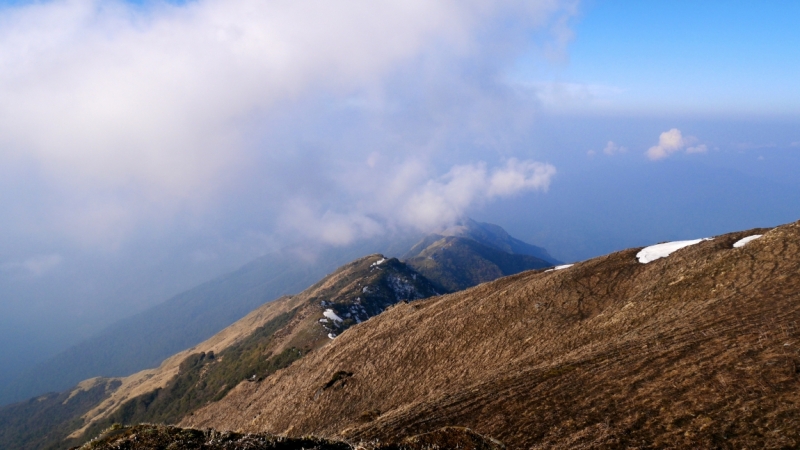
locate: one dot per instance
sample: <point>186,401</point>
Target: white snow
<point>378,262</point>
<point>331,336</point>
<point>654,252</point>
<point>323,320</point>
<point>743,242</point>
<point>401,287</point>
<point>332,315</point>
<point>562,267</point>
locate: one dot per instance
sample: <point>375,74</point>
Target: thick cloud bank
<point>128,113</point>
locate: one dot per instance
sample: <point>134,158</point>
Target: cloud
<point>442,201</point>
<point>136,113</point>
<point>560,96</point>
<point>673,141</point>
<point>35,266</point>
<point>702,148</point>
<point>407,201</point>
<point>612,149</point>
<point>795,144</point>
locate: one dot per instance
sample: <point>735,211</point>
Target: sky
<point>148,146</point>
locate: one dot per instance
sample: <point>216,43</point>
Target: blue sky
<point>710,58</point>
<point>147,147</point>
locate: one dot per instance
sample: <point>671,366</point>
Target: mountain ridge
<point>165,393</point>
<point>697,349</point>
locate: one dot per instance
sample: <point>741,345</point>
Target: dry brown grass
<point>696,350</point>
<point>303,331</point>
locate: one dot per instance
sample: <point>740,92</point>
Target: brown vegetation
<point>270,338</point>
<point>699,349</point>
<point>150,437</point>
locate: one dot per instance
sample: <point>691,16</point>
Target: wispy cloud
<point>561,96</point>
<point>673,141</point>
<point>35,265</point>
<point>613,149</point>
<point>408,200</point>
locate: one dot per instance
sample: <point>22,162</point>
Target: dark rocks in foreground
<point>148,437</point>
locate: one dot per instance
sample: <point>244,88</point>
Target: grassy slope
<point>41,422</point>
<point>362,289</point>
<point>456,263</point>
<point>697,350</point>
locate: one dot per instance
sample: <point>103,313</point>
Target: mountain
<point>41,422</point>
<point>487,234</point>
<point>456,263</point>
<point>291,327</point>
<point>145,340</point>
<point>269,338</point>
<point>699,348</point>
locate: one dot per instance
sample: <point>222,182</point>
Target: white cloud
<point>330,227</point>
<point>407,200</point>
<point>702,148</point>
<point>442,201</point>
<point>673,141</point>
<point>561,96</point>
<point>36,265</point>
<point>151,109</point>
<point>612,149</point>
<point>795,144</point>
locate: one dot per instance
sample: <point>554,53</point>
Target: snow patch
<point>332,315</point>
<point>378,262</point>
<point>743,242</point>
<point>401,287</point>
<point>331,336</point>
<point>654,252</point>
<point>561,267</point>
<point>323,320</point>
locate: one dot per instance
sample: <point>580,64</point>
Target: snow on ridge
<point>332,315</point>
<point>401,287</point>
<point>561,267</point>
<point>378,262</point>
<point>743,242</point>
<point>654,252</point>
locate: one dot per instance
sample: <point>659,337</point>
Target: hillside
<point>149,437</point>
<point>456,263</point>
<point>145,340</point>
<point>699,349</point>
<point>487,234</point>
<point>271,337</point>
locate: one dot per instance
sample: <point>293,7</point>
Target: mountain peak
<point>487,234</point>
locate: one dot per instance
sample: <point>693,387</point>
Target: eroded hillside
<point>698,349</point>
